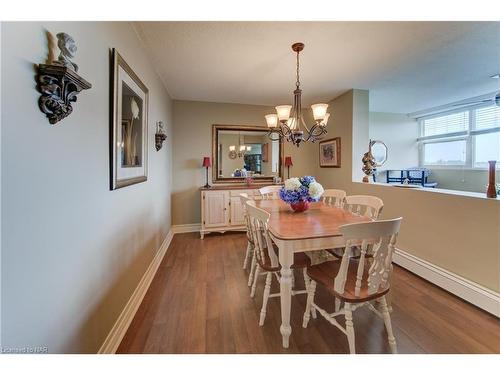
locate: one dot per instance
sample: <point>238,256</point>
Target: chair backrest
<point>244,198</point>
<point>365,205</point>
<point>382,235</point>
<point>260,234</point>
<point>270,192</point>
<point>334,197</point>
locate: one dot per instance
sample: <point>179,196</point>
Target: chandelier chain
<point>297,83</point>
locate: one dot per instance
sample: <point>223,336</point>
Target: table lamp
<point>207,163</point>
<point>288,164</point>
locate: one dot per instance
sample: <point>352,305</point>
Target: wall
<point>193,140</point>
<point>457,233</point>
<point>462,179</point>
<point>399,133</point>
<point>72,250</point>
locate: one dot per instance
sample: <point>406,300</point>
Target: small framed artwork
<point>129,125</point>
<point>329,153</point>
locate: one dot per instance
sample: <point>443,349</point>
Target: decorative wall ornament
<point>59,83</point>
<point>160,135</point>
<point>129,126</point>
<point>375,157</point>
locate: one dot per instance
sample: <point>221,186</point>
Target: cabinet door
<point>237,218</point>
<point>215,209</point>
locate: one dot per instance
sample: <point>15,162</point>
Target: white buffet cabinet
<point>221,209</point>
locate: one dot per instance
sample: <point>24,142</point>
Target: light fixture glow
<point>319,111</point>
<point>283,112</point>
<point>272,120</point>
<point>325,120</point>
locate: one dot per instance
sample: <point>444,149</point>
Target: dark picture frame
<point>329,153</point>
<point>128,125</point>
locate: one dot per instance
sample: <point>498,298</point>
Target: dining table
<point>314,229</point>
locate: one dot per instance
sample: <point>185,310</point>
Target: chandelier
<point>288,122</point>
<point>242,149</point>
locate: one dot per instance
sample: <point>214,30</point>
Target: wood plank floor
<point>199,302</point>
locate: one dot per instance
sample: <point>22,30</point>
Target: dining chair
<point>244,198</point>
<point>267,258</point>
<point>365,205</point>
<point>358,286</point>
<point>270,192</point>
<point>334,197</point>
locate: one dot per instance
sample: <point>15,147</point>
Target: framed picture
<point>129,125</point>
<point>329,153</point>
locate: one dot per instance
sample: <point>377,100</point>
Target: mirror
<point>239,152</point>
<point>379,152</point>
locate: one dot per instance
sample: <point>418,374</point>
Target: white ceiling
<point>407,66</point>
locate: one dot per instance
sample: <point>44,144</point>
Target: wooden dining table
<point>314,229</point>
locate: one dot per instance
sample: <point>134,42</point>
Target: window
<point>466,138</point>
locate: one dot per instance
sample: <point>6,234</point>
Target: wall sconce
<point>160,135</point>
<point>59,83</point>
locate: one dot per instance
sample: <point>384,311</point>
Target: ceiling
<point>407,66</point>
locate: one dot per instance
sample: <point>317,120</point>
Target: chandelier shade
<point>288,122</point>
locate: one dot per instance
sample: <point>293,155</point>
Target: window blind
<point>487,120</point>
<point>455,123</point>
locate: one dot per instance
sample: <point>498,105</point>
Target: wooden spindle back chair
<point>334,197</point>
<point>244,198</point>
<point>266,254</point>
<point>270,192</point>
<point>364,205</point>
<point>361,283</point>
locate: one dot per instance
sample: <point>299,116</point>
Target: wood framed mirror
<point>241,151</point>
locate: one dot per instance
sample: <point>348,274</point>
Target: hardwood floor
<point>199,302</point>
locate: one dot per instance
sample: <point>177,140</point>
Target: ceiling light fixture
<point>496,76</point>
<point>288,122</point>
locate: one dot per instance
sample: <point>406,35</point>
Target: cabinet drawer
<point>236,193</point>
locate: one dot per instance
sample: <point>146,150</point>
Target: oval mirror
<point>379,152</point>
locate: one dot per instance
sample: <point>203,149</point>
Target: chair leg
<point>337,304</point>
<point>252,269</point>
<point>255,278</point>
<point>307,281</point>
<point>349,328</point>
<point>310,299</point>
<point>388,325</point>
<point>267,291</point>
<point>247,255</point>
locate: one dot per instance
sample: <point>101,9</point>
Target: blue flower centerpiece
<point>299,192</point>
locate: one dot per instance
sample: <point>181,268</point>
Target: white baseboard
<point>121,325</point>
<point>476,294</point>
<point>186,228</point>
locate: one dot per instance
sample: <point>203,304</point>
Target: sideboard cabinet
<point>221,209</point>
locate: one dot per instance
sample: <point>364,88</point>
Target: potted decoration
<point>299,192</point>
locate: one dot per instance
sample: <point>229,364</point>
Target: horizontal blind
<point>443,125</point>
<point>487,118</point>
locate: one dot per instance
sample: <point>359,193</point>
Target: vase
<point>300,206</point>
<point>491,192</point>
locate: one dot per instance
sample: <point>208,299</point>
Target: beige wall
<point>460,234</point>
<point>399,133</point>
<point>193,140</point>
<point>72,250</point>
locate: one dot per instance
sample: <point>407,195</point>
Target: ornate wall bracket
<point>59,86</point>
<point>159,139</point>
